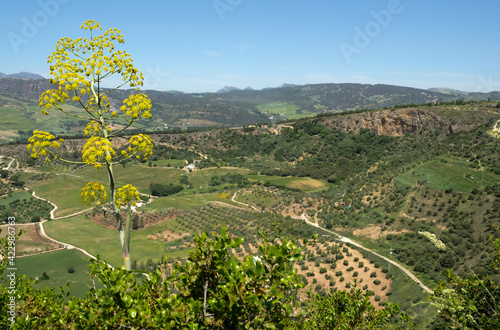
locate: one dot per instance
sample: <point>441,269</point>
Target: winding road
<point>350,241</point>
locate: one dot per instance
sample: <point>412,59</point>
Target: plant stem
<point>126,245</point>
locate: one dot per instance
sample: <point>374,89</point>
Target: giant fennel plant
<point>78,68</point>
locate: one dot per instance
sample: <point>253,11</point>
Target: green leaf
<point>237,242</point>
<point>132,312</point>
<point>269,326</point>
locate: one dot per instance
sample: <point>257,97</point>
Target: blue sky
<point>203,45</point>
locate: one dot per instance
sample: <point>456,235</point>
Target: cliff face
<point>394,122</point>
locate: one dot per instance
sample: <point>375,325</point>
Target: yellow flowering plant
<point>93,192</point>
<point>41,143</point>
<point>78,68</point>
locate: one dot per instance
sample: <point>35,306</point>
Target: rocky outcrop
<point>394,122</point>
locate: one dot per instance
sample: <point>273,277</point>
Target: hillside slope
<point>245,107</point>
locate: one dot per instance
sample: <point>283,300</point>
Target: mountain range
<point>232,107</point>
<point>226,89</point>
<point>24,75</point>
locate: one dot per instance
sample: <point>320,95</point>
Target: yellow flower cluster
<point>88,63</point>
<point>99,107</point>
<point>90,25</point>
<point>432,237</point>
<point>141,146</point>
<point>95,128</point>
<point>93,192</point>
<point>137,105</point>
<point>96,151</point>
<point>52,99</point>
<point>40,142</point>
<point>495,133</point>
<point>127,194</point>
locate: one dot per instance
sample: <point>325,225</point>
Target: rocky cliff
<point>397,122</point>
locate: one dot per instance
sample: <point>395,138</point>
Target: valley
<point>366,189</point>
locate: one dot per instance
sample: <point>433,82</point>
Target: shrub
<point>71,270</point>
<point>376,282</point>
<point>373,274</point>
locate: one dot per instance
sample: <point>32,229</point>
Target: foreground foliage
<point>212,290</point>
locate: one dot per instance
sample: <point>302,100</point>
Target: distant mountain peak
<point>226,89</point>
<point>284,85</point>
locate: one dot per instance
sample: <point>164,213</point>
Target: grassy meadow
<point>56,265</point>
<point>449,174</point>
<point>97,240</point>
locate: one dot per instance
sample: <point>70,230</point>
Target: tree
<point>468,303</point>
<point>35,218</point>
<point>348,310</point>
<point>78,69</point>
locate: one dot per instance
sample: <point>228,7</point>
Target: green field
<point>95,239</point>
<point>281,108</point>
<point>285,109</point>
<point>138,175</point>
<point>62,190</point>
<point>299,183</point>
<point>202,177</point>
<point>56,265</point>
<point>16,195</point>
<point>184,201</point>
<point>169,162</point>
<point>453,174</point>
